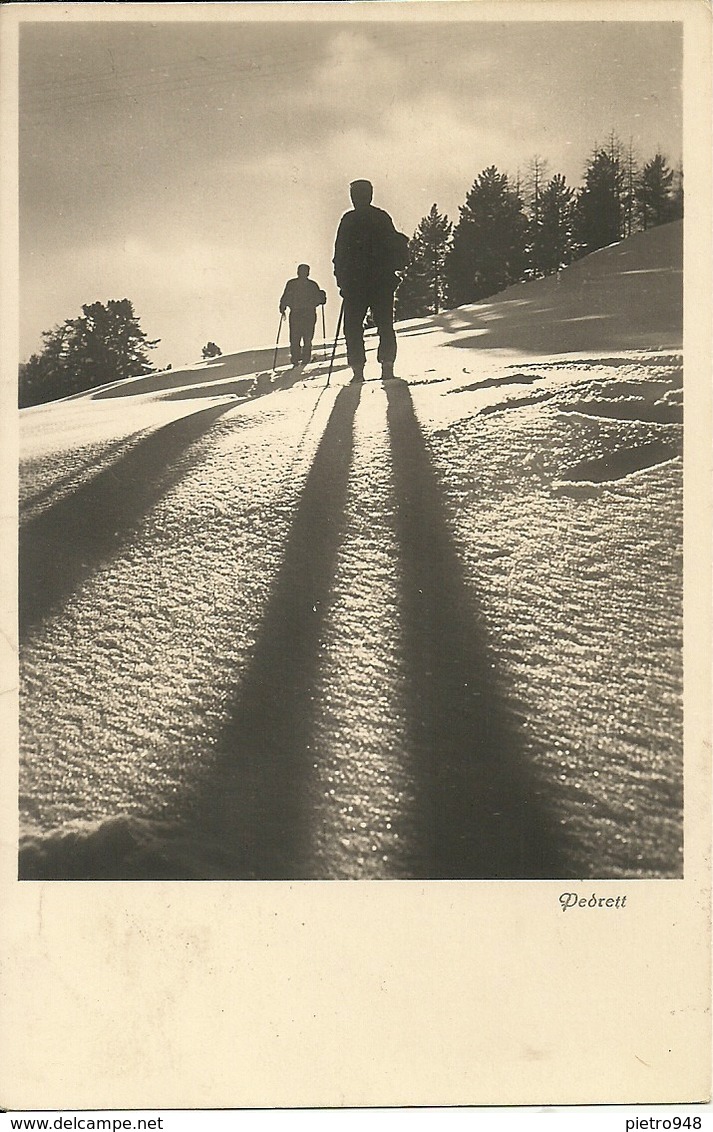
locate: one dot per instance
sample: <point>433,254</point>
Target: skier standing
<point>367,253</point>
<point>302,295</point>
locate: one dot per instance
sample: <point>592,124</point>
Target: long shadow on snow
<point>484,817</point>
<point>64,545</point>
<point>255,816</point>
<point>249,822</point>
<point>89,465</point>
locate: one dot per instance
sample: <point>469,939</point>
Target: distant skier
<point>367,253</point>
<point>302,295</point>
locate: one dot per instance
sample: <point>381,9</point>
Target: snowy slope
<point>430,628</point>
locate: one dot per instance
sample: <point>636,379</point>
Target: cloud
<point>191,167</point>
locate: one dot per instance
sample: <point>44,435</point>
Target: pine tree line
<point>510,230</point>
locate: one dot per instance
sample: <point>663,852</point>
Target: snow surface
<point>423,628</point>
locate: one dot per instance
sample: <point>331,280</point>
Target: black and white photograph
<point>351,445</point>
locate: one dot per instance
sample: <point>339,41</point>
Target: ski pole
<point>324,337</point>
<point>279,328</point>
<point>336,339</point>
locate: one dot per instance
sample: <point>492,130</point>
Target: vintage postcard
<point>357,569</point>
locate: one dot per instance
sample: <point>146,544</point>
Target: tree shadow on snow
<point>483,816</point>
<point>61,547</point>
<point>255,816</point>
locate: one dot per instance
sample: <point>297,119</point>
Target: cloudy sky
<point>191,166</point>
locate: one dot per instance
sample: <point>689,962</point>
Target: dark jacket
<point>364,249</point>
<point>302,294</point>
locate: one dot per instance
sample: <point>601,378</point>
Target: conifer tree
<point>630,180</point>
<point>533,188</point>
<point>488,251</point>
<point>599,213</point>
<point>535,181</point>
<point>677,193</point>
<point>422,289</point>
<point>553,244</point>
<point>654,192</point>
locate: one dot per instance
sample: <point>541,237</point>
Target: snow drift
<point>429,628</point>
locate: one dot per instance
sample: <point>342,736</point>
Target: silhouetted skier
<point>302,295</point>
<point>367,253</point>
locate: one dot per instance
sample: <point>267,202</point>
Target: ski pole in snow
<point>279,328</point>
<point>324,337</point>
<point>336,339</point>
